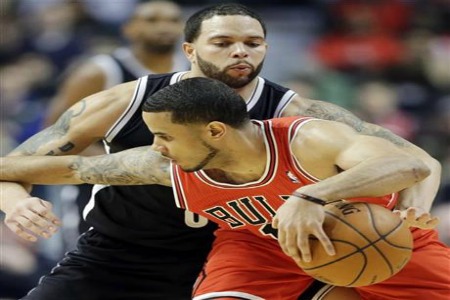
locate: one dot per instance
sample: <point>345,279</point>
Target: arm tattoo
<point>328,111</point>
<point>51,134</point>
<point>136,166</point>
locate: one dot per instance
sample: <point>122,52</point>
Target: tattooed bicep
<point>49,141</point>
<point>327,111</point>
<point>54,139</point>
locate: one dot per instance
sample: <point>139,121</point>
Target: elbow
<point>419,170</point>
<point>435,167</point>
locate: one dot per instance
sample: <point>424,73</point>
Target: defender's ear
<point>189,51</point>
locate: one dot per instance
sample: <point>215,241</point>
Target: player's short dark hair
<point>194,23</point>
<point>199,100</point>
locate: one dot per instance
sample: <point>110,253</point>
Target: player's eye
<point>222,44</point>
<point>253,44</point>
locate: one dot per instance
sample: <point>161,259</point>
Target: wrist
<point>309,198</point>
<point>313,199</point>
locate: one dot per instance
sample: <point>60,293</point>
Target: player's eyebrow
<point>231,37</point>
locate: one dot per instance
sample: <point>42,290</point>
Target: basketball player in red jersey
<point>240,173</point>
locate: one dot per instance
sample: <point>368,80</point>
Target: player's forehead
<point>161,123</point>
<point>158,9</point>
<point>234,26</point>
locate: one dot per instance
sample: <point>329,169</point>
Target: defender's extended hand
<point>31,218</point>
<point>417,217</point>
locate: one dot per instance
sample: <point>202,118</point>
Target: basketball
<point>372,244</point>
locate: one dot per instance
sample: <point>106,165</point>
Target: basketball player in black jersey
<point>153,32</point>
<point>141,246</point>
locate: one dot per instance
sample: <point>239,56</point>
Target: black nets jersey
<point>147,215</point>
<point>122,66</point>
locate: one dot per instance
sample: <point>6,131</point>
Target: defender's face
<point>183,144</point>
<point>229,48</point>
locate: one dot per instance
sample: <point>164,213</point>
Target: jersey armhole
<point>284,102</point>
<point>133,106</point>
<point>110,68</point>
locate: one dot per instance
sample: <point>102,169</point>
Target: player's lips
<point>241,69</point>
<point>240,66</point>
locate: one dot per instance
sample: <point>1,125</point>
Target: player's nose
<point>239,50</point>
<point>159,148</point>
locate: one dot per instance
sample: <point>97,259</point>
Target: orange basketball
<point>371,244</point>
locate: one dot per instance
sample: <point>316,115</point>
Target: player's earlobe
<point>216,129</point>
<point>189,51</point>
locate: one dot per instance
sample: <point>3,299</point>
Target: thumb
<point>275,222</point>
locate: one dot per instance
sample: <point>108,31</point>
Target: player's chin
<point>238,82</point>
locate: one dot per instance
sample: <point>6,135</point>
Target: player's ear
<point>216,130</point>
<point>189,51</point>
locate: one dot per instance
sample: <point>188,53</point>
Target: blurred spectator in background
<point>24,85</point>
<point>377,102</point>
<point>363,37</point>
<point>152,34</point>
<point>52,30</point>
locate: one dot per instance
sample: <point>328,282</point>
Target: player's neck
<point>247,91</point>
<point>244,161</point>
<point>156,62</point>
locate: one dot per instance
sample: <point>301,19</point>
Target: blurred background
<point>386,61</point>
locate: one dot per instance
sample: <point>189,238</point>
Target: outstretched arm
<point>131,167</point>
<point>419,196</point>
<point>77,128</point>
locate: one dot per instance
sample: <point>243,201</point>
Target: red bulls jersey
<point>252,205</point>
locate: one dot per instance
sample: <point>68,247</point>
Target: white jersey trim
<point>323,292</point>
<point>240,295</point>
<point>284,102</point>
<point>110,68</point>
<point>127,58</point>
<point>256,95</point>
<point>134,105</point>
<point>90,205</point>
<point>297,164</point>
<point>180,199</point>
<point>177,77</point>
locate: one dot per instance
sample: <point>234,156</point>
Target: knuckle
<point>17,230</point>
<point>27,223</point>
<point>46,204</point>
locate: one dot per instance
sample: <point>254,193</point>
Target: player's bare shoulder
<point>301,106</point>
<point>298,106</point>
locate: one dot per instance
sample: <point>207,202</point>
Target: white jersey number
<point>194,220</point>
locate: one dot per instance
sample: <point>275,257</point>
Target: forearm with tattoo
<point>135,166</point>
<point>131,167</point>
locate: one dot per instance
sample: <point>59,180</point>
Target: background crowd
<point>386,61</point>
